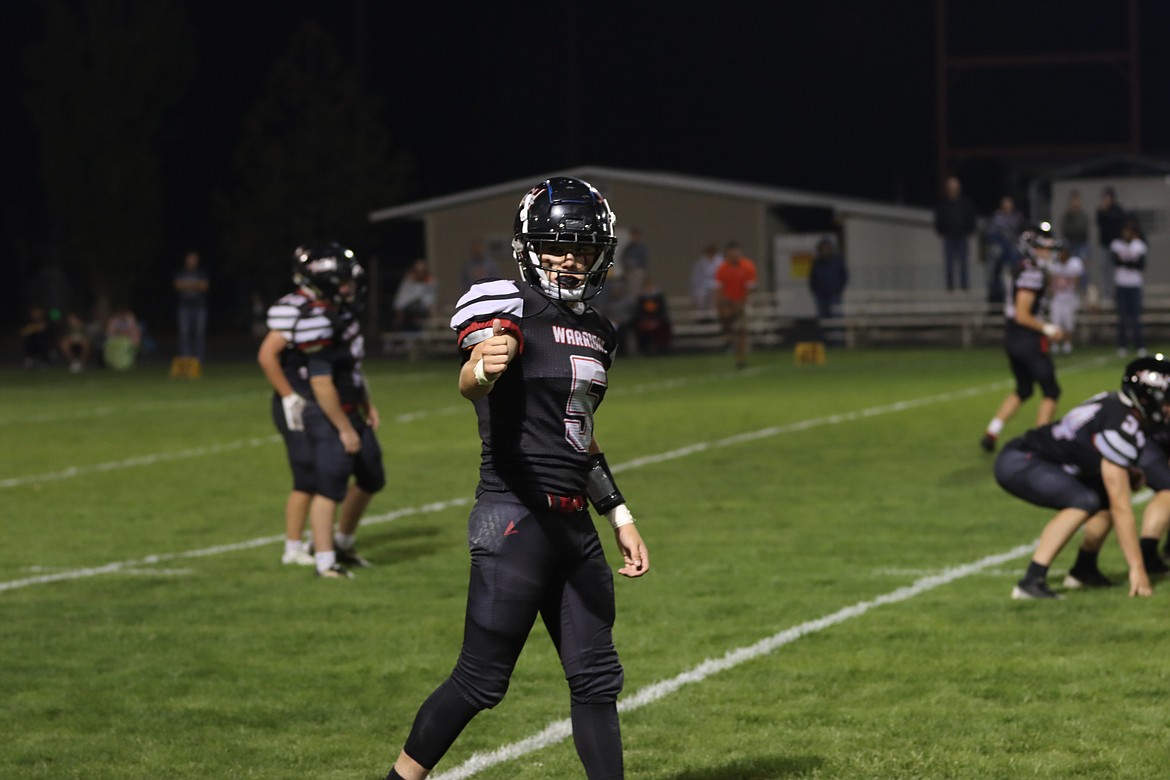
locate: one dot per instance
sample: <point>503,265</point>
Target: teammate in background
<point>1027,339</point>
<point>314,332</point>
<point>535,361</point>
<point>1083,466</point>
<point>735,278</point>
<point>1065,272</point>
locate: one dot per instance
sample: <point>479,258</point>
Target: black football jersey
<point>1025,276</point>
<point>1103,426</point>
<point>284,317</point>
<point>323,341</point>
<point>537,423</point>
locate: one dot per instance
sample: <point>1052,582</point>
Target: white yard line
<point>661,457</point>
<point>562,729</point>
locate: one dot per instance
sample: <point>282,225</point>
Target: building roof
<point>769,195</point>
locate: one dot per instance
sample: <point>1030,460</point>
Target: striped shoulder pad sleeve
<point>1031,279</point>
<point>314,330</point>
<point>486,301</point>
<point>283,315</point>
<point>1120,447</point>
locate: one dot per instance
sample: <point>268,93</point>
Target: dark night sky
<point>826,95</point>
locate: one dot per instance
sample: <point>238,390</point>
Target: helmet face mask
<point>1040,244</point>
<point>329,271</point>
<point>1146,384</point>
<point>559,218</point>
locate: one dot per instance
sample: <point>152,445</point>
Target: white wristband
<point>1049,330</point>
<point>481,378</point>
<point>619,516</point>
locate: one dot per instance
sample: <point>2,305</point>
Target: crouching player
<point>1082,466</point>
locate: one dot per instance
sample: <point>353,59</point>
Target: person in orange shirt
<point>735,278</point>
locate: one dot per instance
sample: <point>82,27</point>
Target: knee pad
<point>1050,388</point>
<point>1024,391</point>
<point>597,681</point>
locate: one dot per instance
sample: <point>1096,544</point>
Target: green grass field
<point>829,592</point>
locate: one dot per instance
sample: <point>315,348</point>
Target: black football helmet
<point>558,215</point>
<point>1146,383</point>
<point>1036,238</point>
<point>323,268</point>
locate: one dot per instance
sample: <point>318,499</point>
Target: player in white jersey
<point>1065,271</point>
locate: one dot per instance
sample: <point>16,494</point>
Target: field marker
<point>562,729</point>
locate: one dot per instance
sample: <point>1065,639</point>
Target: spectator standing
<point>1003,232</point>
<point>1065,272</point>
<point>1074,231</point>
<point>703,281</point>
<point>954,221</point>
<point>1110,220</point>
<point>635,260</point>
<point>191,284</point>
<point>1128,251</point>
<point>827,279</point>
<point>736,278</point>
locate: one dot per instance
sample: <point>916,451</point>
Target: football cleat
<point>336,572</point>
<point>297,558</point>
<point>1026,590</point>
<point>987,442</point>
<point>1076,580</point>
<point>348,556</point>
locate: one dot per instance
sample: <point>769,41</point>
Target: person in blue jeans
<point>191,283</point>
<point>1128,253</point>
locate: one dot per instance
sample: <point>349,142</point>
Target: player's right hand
<point>350,441</point>
<point>497,351</point>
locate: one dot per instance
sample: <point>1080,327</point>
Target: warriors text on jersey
<point>1104,426</point>
<point>321,340</point>
<point>537,424</point>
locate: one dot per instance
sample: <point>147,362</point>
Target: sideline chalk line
<point>562,729</point>
<point>662,457</point>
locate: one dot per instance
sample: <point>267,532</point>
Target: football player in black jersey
<point>535,361</point>
<point>312,358</point>
<point>1027,339</point>
<point>1085,466</point>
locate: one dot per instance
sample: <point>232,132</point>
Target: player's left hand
<point>372,418</point>
<point>634,554</point>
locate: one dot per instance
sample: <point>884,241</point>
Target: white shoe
<point>298,558</point>
<point>1142,352</point>
<point>1121,352</point>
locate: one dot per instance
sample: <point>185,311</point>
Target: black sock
<point>1036,572</point>
<point>1149,547</point>
<point>1086,561</point>
<point>393,775</point>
